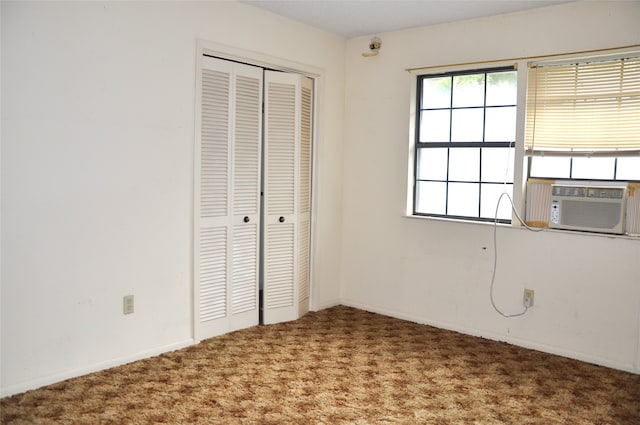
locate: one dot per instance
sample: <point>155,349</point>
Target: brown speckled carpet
<point>340,366</point>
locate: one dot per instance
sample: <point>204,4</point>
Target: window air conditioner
<point>591,208</point>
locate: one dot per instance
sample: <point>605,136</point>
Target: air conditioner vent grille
<point>589,192</point>
<point>605,192</point>
<point>578,191</point>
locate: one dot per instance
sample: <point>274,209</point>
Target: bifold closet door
<point>227,198</point>
<point>287,196</point>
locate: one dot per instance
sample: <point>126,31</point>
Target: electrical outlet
<point>127,304</point>
<point>527,298</point>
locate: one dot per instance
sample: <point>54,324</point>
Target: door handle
<point>246,219</point>
<point>281,219</point>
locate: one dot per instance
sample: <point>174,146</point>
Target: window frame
<point>416,144</point>
<point>521,159</point>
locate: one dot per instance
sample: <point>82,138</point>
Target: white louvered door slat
<point>227,188</point>
<point>213,273</point>
<point>245,268</point>
<point>281,147</point>
<point>303,264</point>
<point>280,270</point>
<point>246,173</point>
<point>215,143</point>
<point>304,194</point>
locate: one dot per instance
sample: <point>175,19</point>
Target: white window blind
<point>588,107</point>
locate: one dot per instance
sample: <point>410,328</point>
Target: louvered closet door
<point>246,171</point>
<point>227,198</point>
<point>287,178</point>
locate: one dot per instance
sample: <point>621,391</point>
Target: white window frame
<point>520,164</point>
<point>519,176</point>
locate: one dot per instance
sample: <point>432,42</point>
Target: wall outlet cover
<point>527,298</point>
<point>127,304</point>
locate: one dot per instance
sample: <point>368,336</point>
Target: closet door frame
<point>230,53</point>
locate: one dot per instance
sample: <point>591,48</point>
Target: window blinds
<point>584,108</point>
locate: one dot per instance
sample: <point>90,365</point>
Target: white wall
<point>587,288</point>
<point>97,147</point>
<point>97,144</point>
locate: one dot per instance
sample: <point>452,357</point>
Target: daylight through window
<point>465,138</point>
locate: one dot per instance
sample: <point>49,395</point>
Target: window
<point>583,119</point>
<point>465,138</point>
<point>580,122</point>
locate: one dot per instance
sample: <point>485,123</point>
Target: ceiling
<point>354,18</point>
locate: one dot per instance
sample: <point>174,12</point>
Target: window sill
<point>517,226</point>
<point>453,220</point>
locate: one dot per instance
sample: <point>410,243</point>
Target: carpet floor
<point>339,366</point>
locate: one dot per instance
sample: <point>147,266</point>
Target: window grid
<point>482,145</point>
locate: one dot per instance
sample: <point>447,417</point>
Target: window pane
<point>467,125</point>
<point>464,164</point>
<point>489,200</point>
<point>451,177</point>
<point>434,126</point>
<point>500,124</point>
<point>628,168</point>
<point>550,166</point>
<point>468,90</point>
<point>593,168</point>
<point>463,199</point>
<point>436,92</point>
<point>432,164</point>
<point>431,198</point>
<point>497,165</point>
<point>501,88</point>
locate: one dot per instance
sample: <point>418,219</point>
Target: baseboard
<point>497,337</point>
<point>325,305</point>
<point>74,373</point>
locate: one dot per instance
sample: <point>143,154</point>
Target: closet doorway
<point>252,196</point>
